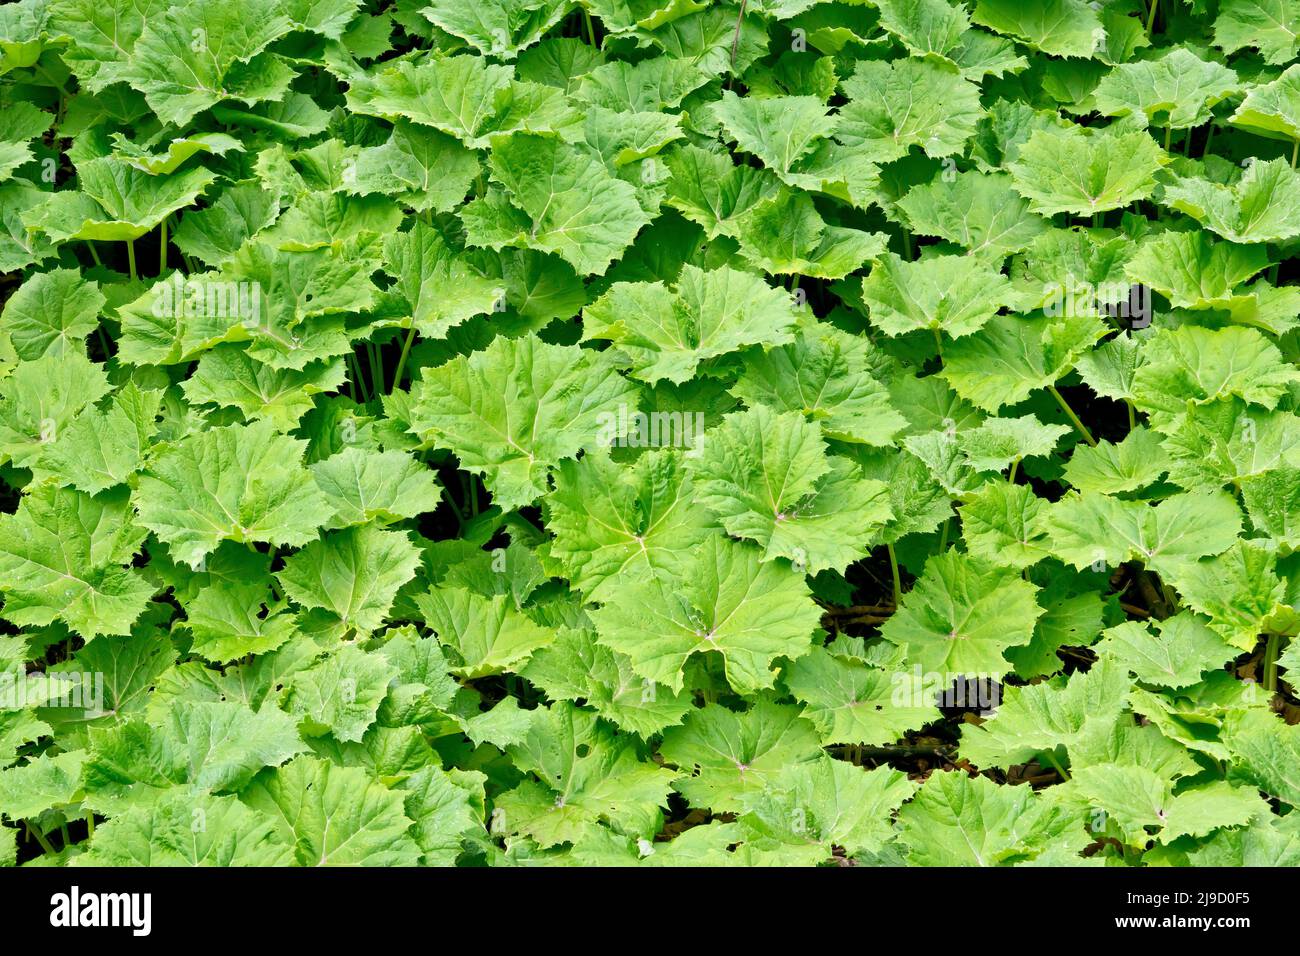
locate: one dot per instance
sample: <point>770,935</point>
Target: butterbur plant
<point>632,432</point>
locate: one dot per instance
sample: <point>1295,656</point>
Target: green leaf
<point>65,555</point>
<point>827,375</point>
<point>45,782</point>
<point>575,667</point>
<point>667,333</point>
<point>957,820</point>
<point>234,483</point>
<point>364,486</point>
<point>1175,654</point>
<point>1270,26</point>
<point>1012,356</point>
<point>518,408</point>
<point>1055,27</point>
<point>1109,170</point>
<point>1272,109</point>
<point>334,816</point>
<point>551,204</point>
<point>341,694</point>
<point>852,703</point>
<point>1241,593</point>
<point>500,28</point>
<point>613,520</point>
<point>1262,206</point>
<point>727,756</point>
<point>1115,468</point>
<point>787,235</point>
<point>1094,529</point>
<point>192,57</point>
<point>962,615</point>
<point>952,294</point>
<point>52,312</point>
<point>1177,89</point>
<point>908,102</point>
<point>826,803</point>
<point>766,477</point>
<point>352,574</point>
<point>189,829</point>
<point>980,212</point>
<point>1041,717</point>
<point>489,636</point>
<point>584,774</point>
<point>102,448</point>
<point>732,603</point>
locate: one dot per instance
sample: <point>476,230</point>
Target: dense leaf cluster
<point>649,432</point>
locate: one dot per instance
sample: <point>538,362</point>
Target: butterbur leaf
<point>1193,364</point>
<point>1110,170</point>
<point>957,820</point>
<point>1006,524</point>
<point>1012,356</point>
<point>1055,27</point>
<point>52,312</point>
<point>1045,716</point>
<point>1094,529</point>
<point>766,477</point>
<point>424,168</point>
<point>164,834</point>
<point>489,636</point>
<point>595,432</point>
<point>237,482</point>
<point>1172,654</point>
<point>827,375</point>
<point>667,333</point>
<point>576,667</point>
<point>786,234</point>
<point>611,520</point>
<point>363,486</point>
<point>980,212</point>
<point>907,102</point>
<point>231,377</point>
<point>1115,468</point>
<point>352,574</point>
<point>66,555</point>
<point>1263,206</point>
<point>732,603</point>
<point>709,189</point>
<point>1266,749</point>
<point>498,27</point>
<point>779,130</point>
<point>1177,89</point>
<point>930,26</point>
<point>1273,109</point>
<point>998,442</point>
<point>584,775</point>
<point>726,756</point>
<point>850,702</point>
<point>951,294</point>
<point>116,202</point>
<point>1241,593</point>
<point>827,803</point>
<point>1270,26</point>
<point>210,745</point>
<point>341,694</point>
<point>334,815</point>
<point>552,206</point>
<point>48,781</point>
<point>963,614</point>
<point>1193,271</point>
<point>546,402</point>
<point>441,289</point>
